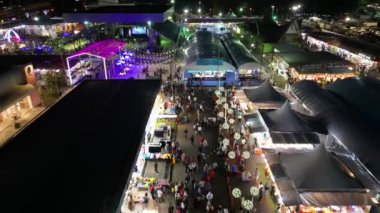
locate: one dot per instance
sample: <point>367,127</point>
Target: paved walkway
<point>218,185</point>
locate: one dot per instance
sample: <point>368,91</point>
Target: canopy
<point>284,119</point>
<point>264,93</point>
<point>317,170</point>
<point>105,48</point>
<point>349,108</point>
<point>316,178</point>
<point>206,48</point>
<point>239,53</point>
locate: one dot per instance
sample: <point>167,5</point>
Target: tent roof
<point>317,170</point>
<point>269,31</point>
<point>299,58</point>
<point>105,48</point>
<point>350,108</point>
<point>206,45</point>
<point>78,155</point>
<point>239,53</point>
<point>264,93</point>
<point>284,119</point>
<point>168,29</point>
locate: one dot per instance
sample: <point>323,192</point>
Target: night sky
<point>318,6</point>
<point>259,6</point>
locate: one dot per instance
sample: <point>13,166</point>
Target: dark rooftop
<point>351,44</point>
<point>77,156</point>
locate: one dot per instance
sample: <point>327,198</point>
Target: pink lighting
<point>105,48</point>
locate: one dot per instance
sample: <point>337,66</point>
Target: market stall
<point>316,181</point>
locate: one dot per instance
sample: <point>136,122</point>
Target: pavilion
<point>95,60</point>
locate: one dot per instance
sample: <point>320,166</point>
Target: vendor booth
<point>298,64</point>
<point>365,55</point>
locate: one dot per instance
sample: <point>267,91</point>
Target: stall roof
<point>326,69</point>
<point>348,43</point>
<point>299,58</point>
<point>264,93</point>
<point>350,110</point>
<point>284,119</point>
<point>238,52</point>
<point>78,155</point>
<point>205,45</point>
<point>105,48</point>
<point>363,94</point>
<point>268,30</point>
<point>317,170</point>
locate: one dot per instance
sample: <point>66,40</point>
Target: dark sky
<point>323,6</point>
<point>319,6</point>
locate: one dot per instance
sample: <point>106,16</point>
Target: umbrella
<point>236,192</point>
<point>237,136</point>
<point>231,154</point>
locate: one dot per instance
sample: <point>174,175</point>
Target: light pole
<point>272,10</point>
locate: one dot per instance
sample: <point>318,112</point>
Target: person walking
<point>156,167</point>
<point>186,132</point>
<point>209,197</point>
<point>159,195</point>
<point>192,140</point>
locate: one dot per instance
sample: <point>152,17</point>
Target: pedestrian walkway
<point>218,185</point>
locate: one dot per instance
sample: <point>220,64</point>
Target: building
<point>78,156</point>
<point>18,91</point>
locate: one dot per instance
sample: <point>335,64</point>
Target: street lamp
<point>172,1</point>
<point>186,11</point>
<point>36,18</point>
<point>220,14</point>
<point>199,10</point>
<point>272,10</point>
<point>241,9</point>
